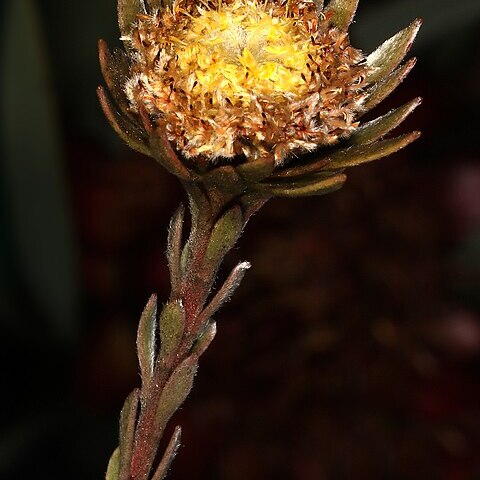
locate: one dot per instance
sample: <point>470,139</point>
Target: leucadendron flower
<point>257,97</point>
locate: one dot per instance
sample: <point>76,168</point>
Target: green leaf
<point>169,455</point>
<point>128,417</point>
<point>146,336</point>
<point>389,55</point>
<point>132,135</point>
<point>172,325</point>
<point>357,155</point>
<point>380,91</point>
<point>226,291</point>
<point>224,235</point>
<point>113,468</point>
<point>127,14</point>
<point>340,13</point>
<point>312,167</point>
<point>205,339</point>
<point>176,390</point>
<point>174,249</point>
<point>378,128</point>
<point>306,187</point>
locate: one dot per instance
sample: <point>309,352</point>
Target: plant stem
<point>185,329</point>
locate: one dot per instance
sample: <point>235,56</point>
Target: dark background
<point>351,351</point>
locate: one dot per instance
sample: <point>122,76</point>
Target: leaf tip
<point>244,265</point>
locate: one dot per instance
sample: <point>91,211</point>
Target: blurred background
<point>352,349</point>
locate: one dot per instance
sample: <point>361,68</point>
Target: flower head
<point>246,76</point>
<point>230,91</point>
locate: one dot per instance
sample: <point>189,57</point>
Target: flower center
<point>241,49</point>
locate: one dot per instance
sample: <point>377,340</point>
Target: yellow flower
<point>231,92</point>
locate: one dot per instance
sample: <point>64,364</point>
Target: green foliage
<point>224,235</point>
<point>341,12</point>
<point>176,390</point>
<point>128,417</point>
<point>113,468</point>
<point>388,56</point>
<point>172,325</point>
<point>146,340</point>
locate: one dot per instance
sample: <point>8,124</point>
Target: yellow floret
<point>246,51</point>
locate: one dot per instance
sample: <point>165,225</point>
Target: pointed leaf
<point>146,343</point>
<point>129,133</point>
<point>115,71</point>
<point>358,155</point>
<point>127,14</point>
<point>340,13</point>
<point>379,91</point>
<point>172,325</point>
<point>128,417</point>
<point>174,249</point>
<point>225,292</point>
<point>309,187</point>
<point>389,55</point>
<point>378,128</point>
<point>176,391</point>
<point>205,339</point>
<point>225,233</point>
<point>169,455</point>
<point>113,468</point>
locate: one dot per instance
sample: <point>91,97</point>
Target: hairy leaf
<point>205,339</point>
<point>358,155</point>
<point>176,390</point>
<point>128,417</point>
<point>340,13</point>
<point>172,324</point>
<point>113,468</point>
<point>378,128</point>
<point>174,249</point>
<point>380,91</point>
<point>389,55</point>
<point>225,233</point>
<point>169,455</point>
<point>225,292</point>
<point>311,186</point>
<point>146,343</point>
